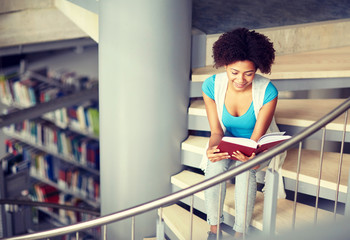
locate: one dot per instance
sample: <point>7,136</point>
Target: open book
<point>248,146</point>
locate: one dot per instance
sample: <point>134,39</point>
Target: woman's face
<point>241,74</point>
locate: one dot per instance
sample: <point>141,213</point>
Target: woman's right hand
<point>214,154</point>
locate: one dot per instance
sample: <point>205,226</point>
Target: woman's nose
<point>240,78</point>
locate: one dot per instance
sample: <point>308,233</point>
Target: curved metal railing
<point>175,197</point>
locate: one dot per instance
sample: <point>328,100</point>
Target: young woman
<point>239,103</point>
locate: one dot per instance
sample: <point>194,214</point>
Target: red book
<point>50,194</point>
<point>248,146</point>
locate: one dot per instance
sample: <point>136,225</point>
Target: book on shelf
<point>61,175</point>
<point>84,117</point>
<point>6,86</point>
<point>93,120</point>
<point>45,193</point>
<point>22,92</point>
<point>70,145</point>
<point>248,146</point>
<point>80,183</point>
<point>27,90</point>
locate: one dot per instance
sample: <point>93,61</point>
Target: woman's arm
<point>264,119</point>
<point>215,130</point>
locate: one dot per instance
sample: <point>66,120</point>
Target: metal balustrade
<point>269,217</point>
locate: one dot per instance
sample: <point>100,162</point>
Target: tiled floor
<point>217,16</point>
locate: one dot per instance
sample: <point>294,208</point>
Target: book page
<point>241,141</point>
<point>272,136</point>
<point>271,139</point>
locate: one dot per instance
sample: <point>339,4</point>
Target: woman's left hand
<point>243,158</point>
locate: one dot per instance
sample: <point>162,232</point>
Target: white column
<point>144,70</point>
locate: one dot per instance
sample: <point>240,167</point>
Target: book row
<point>45,193</point>
<point>40,86</point>
<point>70,145</point>
<point>48,168</point>
<point>27,92</point>
<point>82,118</point>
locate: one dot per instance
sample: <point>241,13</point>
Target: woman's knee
<point>215,168</point>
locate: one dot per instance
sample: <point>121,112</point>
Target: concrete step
<point>28,27</point>
<point>327,63</point>
<point>178,221</point>
<point>304,213</point>
<point>310,171</point>
<point>194,146</point>
<point>299,38</point>
<point>318,69</point>
<point>290,113</point>
<point>19,5</point>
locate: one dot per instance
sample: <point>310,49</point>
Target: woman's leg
<point>212,194</point>
<point>241,183</point>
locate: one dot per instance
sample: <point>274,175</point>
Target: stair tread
<point>55,27</point>
<point>293,112</point>
<point>178,220</point>
<point>304,213</point>
<point>309,168</point>
<point>195,144</point>
<point>327,63</point>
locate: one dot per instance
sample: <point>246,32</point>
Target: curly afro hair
<point>242,44</point>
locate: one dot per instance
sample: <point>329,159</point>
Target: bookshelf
<point>56,148</point>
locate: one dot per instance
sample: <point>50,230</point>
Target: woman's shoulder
<point>271,92</point>
<point>208,86</point>
<point>209,82</point>
<point>210,79</point>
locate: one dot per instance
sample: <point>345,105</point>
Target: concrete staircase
<point>40,25</point>
<point>300,69</point>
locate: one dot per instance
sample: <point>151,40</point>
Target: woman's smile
<point>240,74</point>
<point>240,85</point>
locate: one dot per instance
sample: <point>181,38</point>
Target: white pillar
<point>144,69</point>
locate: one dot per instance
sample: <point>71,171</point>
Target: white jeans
<point>212,194</point>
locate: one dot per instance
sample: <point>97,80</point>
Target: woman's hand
<point>243,158</point>
<point>215,155</point>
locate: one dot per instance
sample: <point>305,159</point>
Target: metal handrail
<point>174,197</point>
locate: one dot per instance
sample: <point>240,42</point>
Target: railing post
<point>104,232</point>
<point>133,228</point>
<point>219,212</point>
<point>191,217</point>
<point>160,225</point>
<point>296,190</point>
<point>246,206</point>
<point>270,202</point>
<point>340,165</point>
<point>347,203</point>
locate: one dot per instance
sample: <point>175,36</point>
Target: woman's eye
<point>234,73</point>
